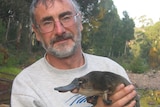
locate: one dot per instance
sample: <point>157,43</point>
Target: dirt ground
<point>149,80</point>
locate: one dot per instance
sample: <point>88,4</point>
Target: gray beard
<point>63,50</point>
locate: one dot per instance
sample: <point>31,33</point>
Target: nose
<point>59,28</point>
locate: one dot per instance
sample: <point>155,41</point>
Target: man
<point>57,25</point>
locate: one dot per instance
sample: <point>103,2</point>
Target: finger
<point>122,93</point>
<point>100,103</point>
<point>123,101</point>
<point>121,86</point>
<point>131,104</point>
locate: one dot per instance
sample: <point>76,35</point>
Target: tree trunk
<point>8,26</point>
<point>19,32</point>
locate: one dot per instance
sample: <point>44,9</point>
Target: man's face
<point>64,38</point>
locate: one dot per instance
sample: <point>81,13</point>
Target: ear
<point>81,26</point>
<point>80,18</point>
<point>36,32</point>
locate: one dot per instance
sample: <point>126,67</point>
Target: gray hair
<point>44,2</point>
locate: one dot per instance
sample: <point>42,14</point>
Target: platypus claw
<point>107,102</point>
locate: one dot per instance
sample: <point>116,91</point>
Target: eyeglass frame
<point>72,18</point>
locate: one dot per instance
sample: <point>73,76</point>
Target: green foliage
<point>18,58</point>
<point>146,39</point>
<point>149,98</point>
<point>130,63</point>
<point>106,34</point>
<point>138,65</point>
<point>14,61</point>
<point>10,70</point>
<point>1,58</point>
<point>124,61</point>
<point>152,34</point>
<point>2,31</point>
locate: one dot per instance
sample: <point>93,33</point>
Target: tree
<point>144,21</point>
<point>15,13</point>
<point>106,30</point>
<point>127,32</point>
<point>100,27</point>
<point>146,44</point>
<point>153,36</point>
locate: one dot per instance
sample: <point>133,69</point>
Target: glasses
<point>48,26</point>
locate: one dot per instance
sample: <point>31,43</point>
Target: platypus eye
<point>82,81</point>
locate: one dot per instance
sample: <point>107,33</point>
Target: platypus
<point>96,83</point>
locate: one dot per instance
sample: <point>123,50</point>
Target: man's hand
<point>121,97</point>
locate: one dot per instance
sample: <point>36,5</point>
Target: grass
<point>10,70</point>
<point>149,98</point>
<point>7,74</point>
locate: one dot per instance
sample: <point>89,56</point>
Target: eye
<point>47,23</point>
<point>82,81</point>
<point>66,18</point>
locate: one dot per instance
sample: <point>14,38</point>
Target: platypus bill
<point>96,84</point>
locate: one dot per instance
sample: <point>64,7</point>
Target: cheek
<point>75,30</point>
<point>45,39</point>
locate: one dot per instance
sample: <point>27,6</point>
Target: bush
<point>124,61</point>
<point>138,65</point>
<point>135,65</point>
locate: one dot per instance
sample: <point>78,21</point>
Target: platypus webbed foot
<point>107,102</point>
<point>106,99</point>
<point>92,100</point>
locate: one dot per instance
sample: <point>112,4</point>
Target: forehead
<point>54,8</point>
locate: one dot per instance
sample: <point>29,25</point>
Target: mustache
<point>58,38</point>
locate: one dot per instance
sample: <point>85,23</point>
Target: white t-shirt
<point>34,86</point>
